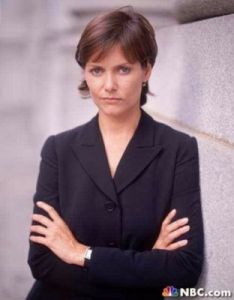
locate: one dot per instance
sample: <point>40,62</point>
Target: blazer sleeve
<point>45,266</point>
<point>155,268</point>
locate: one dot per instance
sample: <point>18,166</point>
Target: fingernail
<point>185,219</point>
<point>184,242</point>
<point>39,202</point>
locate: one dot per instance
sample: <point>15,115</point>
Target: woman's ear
<point>147,72</point>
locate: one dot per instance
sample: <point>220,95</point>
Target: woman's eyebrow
<point>90,65</point>
<point>96,64</point>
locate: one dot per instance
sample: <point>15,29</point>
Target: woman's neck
<point>119,126</point>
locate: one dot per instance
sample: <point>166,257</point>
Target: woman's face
<point>115,84</point>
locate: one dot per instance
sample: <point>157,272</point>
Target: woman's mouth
<point>111,99</point>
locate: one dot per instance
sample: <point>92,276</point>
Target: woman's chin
<point>112,110</point>
<point>118,110</point>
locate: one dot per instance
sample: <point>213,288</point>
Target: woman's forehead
<point>114,52</point>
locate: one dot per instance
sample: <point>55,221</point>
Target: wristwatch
<point>87,256</point>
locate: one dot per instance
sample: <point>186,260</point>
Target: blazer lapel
<point>141,150</point>
<point>139,153</point>
<point>90,151</point>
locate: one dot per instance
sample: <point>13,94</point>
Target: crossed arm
<point>56,235</point>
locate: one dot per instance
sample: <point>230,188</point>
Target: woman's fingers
<point>177,224</point>
<point>39,229</point>
<point>38,239</point>
<point>171,230</point>
<point>49,209</point>
<point>41,219</point>
<point>55,234</point>
<point>177,245</point>
<point>169,217</point>
<point>177,233</point>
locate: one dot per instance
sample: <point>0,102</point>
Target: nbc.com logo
<point>171,291</point>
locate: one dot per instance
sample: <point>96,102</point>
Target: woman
<point>117,210</point>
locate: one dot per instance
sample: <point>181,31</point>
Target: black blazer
<point>120,217</point>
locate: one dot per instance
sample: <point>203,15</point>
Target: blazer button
<point>110,206</point>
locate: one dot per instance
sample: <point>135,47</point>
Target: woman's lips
<point>111,99</point>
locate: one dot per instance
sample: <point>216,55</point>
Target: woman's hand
<point>57,236</point>
<point>170,231</point>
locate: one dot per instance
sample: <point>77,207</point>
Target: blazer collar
<point>141,150</point>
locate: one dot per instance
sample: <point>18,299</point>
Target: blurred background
<point>193,83</point>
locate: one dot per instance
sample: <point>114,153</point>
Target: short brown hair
<point>122,26</point>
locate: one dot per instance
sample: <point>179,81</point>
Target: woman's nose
<point>110,83</point>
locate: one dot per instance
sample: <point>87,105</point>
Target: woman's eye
<point>96,71</point>
<point>124,70</point>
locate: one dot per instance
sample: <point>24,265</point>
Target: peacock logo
<point>170,291</point>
